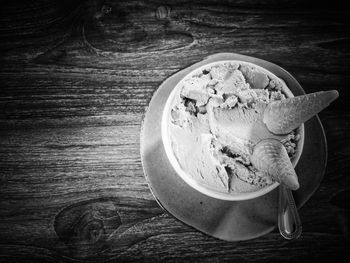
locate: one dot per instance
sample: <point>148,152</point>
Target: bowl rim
<point>187,178</point>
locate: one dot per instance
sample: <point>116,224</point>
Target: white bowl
<point>187,178</point>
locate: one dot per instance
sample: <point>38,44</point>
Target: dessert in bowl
<point>234,131</point>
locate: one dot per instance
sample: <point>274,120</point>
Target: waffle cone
<point>281,117</point>
<point>270,156</point>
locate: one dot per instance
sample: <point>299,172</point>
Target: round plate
<point>227,220</point>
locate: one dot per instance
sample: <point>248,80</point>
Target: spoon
<point>289,223</point>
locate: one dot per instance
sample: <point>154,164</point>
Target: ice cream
<point>220,127</point>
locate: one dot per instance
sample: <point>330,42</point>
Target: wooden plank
<point>75,80</point>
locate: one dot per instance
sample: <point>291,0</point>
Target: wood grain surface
<point>75,80</point>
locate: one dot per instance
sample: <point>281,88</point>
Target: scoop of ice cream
<point>240,122</point>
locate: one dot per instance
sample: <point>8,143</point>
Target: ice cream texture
<point>220,127</point>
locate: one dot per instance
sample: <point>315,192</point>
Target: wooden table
<point>76,78</point>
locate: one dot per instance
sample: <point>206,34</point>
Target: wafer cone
<point>270,156</point>
<point>281,117</point>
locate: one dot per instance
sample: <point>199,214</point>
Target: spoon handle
<point>289,223</point>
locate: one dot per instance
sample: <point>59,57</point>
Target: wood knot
<point>95,228</point>
<point>88,229</point>
<point>162,12</point>
<point>86,226</point>
<point>105,10</point>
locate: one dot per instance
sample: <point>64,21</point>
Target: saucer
<point>227,220</point>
